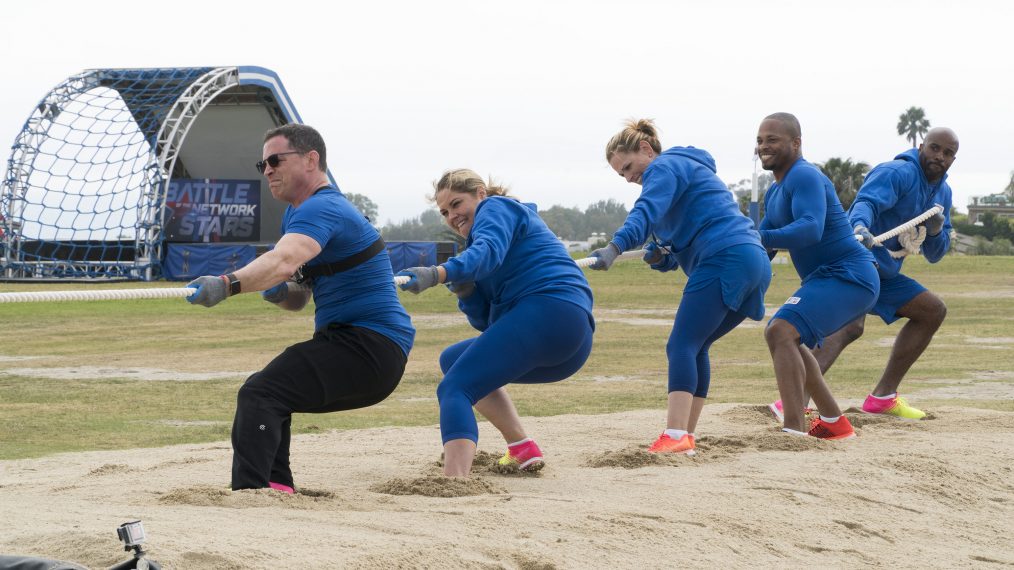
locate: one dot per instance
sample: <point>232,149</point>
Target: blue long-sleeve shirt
<point>802,214</point>
<point>893,193</point>
<point>510,254</point>
<point>688,208</point>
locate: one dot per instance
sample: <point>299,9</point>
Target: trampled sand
<point>935,493</point>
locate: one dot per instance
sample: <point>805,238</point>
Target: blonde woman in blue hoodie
<point>692,221</point>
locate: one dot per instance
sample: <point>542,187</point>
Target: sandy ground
<point>935,493</point>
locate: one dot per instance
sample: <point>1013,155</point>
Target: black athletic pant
<point>341,368</point>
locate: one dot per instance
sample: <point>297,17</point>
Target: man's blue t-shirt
<point>364,296</point>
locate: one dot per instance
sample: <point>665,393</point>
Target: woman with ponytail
<point>690,220</point>
<point>516,284</point>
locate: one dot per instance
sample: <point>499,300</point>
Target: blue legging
<point>539,340</point>
<point>702,318</point>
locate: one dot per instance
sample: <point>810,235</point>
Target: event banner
<point>212,211</point>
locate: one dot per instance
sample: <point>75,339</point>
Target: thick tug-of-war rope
<point>907,225</point>
<point>172,292</point>
<point>588,261</point>
<point>105,295</point>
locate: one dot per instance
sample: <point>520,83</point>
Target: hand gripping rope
<point>907,225</point>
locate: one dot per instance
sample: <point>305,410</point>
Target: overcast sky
<point>530,91</point>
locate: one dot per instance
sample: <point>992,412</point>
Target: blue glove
<point>867,238</point>
<point>420,278</point>
<point>462,290</point>
<point>606,256</point>
<point>276,294</point>
<point>210,291</point>
<point>935,224</point>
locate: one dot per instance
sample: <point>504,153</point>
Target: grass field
<point>78,376</point>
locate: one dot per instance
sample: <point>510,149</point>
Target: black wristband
<point>234,286</point>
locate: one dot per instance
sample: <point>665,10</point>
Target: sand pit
<point>937,492</point>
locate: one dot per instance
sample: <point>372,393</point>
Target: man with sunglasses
<point>362,333</point>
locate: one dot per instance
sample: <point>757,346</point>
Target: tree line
<point>604,216</point>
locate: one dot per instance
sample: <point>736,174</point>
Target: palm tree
<point>913,124</point>
<point>847,177</point>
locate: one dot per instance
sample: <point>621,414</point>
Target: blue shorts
<point>830,297</point>
<point>895,293</point>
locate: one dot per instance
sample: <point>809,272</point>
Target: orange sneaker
<point>666,444</point>
<point>841,429</point>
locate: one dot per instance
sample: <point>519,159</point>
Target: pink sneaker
<point>525,454</point>
<point>282,488</point>
<point>776,409</point>
<point>779,412</point>
<point>896,406</point>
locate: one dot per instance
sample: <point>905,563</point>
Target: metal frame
<point>21,161</point>
<point>171,134</point>
<point>151,214</point>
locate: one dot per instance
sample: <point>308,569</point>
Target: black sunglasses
<point>273,161</point>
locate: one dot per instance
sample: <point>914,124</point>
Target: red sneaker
<point>841,429</point>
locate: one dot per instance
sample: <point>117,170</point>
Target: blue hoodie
<point>894,193</point>
<point>510,254</point>
<point>688,208</point>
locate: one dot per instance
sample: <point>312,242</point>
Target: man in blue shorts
<point>362,333</point>
<point>839,276</point>
<point>893,193</point>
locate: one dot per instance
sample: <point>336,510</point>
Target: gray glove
<point>867,238</point>
<point>935,224</point>
<point>462,290</point>
<point>420,278</point>
<point>276,294</point>
<point>606,256</point>
<point>210,291</point>
<point>652,254</point>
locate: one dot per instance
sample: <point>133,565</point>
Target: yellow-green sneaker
<point>896,406</point>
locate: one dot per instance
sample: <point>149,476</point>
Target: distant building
<point>999,204</point>
<point>585,245</point>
